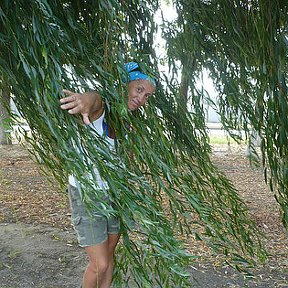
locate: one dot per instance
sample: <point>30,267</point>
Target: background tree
<point>5,137</point>
<point>243,45</point>
<point>171,189</point>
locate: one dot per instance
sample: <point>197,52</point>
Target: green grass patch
<point>221,140</point>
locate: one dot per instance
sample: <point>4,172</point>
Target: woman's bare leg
<point>112,243</point>
<point>99,271</point>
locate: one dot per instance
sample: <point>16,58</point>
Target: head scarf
<point>135,73</point>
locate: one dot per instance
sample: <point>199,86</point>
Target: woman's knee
<point>99,267</point>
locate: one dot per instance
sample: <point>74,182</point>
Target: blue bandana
<point>134,73</point>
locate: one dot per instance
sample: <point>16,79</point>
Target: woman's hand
<point>87,104</point>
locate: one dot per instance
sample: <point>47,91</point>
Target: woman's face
<point>138,93</point>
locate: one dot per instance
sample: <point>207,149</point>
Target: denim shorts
<point>91,228</point>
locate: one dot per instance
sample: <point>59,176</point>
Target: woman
<point>100,242</point>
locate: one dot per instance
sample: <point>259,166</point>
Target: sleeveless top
<point>101,128</point>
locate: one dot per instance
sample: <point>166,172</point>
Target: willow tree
<point>170,188</point>
<point>243,45</point>
<point>4,115</point>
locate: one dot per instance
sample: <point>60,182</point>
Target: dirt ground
<point>39,249</point>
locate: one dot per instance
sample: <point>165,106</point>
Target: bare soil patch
<point>38,247</point>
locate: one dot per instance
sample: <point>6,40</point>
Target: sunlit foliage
<point>169,190</point>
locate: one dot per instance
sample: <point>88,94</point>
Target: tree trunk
<point>4,114</point>
<point>187,70</point>
<point>183,95</point>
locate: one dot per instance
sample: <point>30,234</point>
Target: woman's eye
<point>139,89</point>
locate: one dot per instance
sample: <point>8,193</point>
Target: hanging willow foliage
<point>170,190</point>
<point>243,44</point>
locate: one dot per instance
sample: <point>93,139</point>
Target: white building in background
<point>206,84</point>
<point>20,127</point>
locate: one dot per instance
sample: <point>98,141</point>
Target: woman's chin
<point>132,107</point>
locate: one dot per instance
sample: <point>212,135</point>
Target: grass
<point>221,140</point>
<point>14,254</point>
